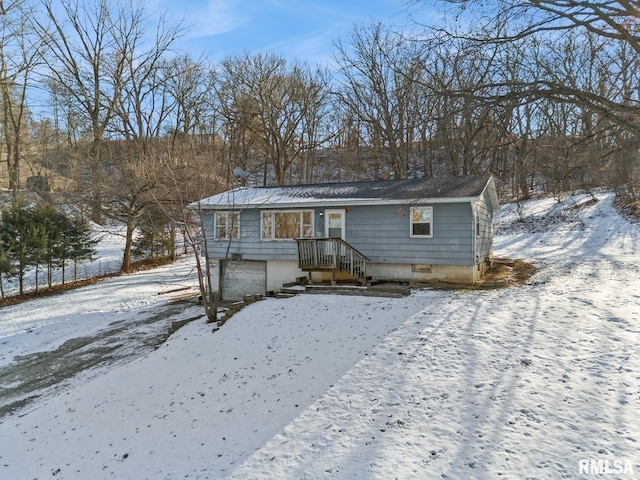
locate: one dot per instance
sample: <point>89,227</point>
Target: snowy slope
<point>525,382</point>
<point>47,322</point>
<point>521,383</point>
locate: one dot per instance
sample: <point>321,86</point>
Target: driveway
<point>28,377</point>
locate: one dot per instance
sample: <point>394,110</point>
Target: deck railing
<point>331,254</point>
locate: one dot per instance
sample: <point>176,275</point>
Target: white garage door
<point>244,278</point>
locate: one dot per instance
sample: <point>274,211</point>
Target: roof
<point>463,188</point>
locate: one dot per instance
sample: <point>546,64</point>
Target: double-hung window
<point>421,222</point>
<point>227,225</point>
<point>282,225</point>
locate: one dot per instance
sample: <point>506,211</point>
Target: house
<point>415,230</point>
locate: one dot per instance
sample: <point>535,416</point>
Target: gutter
<point>337,202</point>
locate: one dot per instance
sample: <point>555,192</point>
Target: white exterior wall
<point>238,283</point>
<point>280,272</point>
<point>408,273</point>
<point>421,273</point>
<point>213,280</point>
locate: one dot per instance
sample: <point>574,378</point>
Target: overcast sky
<point>300,29</point>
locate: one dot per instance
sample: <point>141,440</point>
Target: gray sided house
<point>417,230</point>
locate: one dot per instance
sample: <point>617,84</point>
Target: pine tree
<point>36,236</point>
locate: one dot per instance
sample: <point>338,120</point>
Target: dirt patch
<point>629,207</point>
<point>582,205</point>
<point>521,272</point>
<point>508,272</point>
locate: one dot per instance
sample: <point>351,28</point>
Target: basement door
<point>244,278</point>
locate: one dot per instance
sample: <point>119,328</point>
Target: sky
<point>302,30</point>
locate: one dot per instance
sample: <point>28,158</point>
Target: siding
<point>380,232</point>
<point>249,246</point>
<point>484,244</point>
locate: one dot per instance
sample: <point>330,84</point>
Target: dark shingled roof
<point>447,187</point>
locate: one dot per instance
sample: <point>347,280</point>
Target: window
<point>279,225</point>
<point>421,220</point>
<point>226,225</point>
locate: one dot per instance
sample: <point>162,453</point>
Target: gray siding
<point>249,246</point>
<point>484,243</point>
<point>380,232</point>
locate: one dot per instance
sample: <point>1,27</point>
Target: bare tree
<point>78,38</point>
<point>19,55</point>
<point>380,77</point>
<point>189,86</point>
<point>141,110</point>
<point>89,47</point>
<point>595,85</point>
<point>280,106</point>
<point>183,180</point>
<point>106,62</point>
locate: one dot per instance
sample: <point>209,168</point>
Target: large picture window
<point>226,225</point>
<point>281,225</point>
<point>421,222</point>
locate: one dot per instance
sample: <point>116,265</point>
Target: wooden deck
<point>331,255</point>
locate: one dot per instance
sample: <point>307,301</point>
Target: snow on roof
<point>448,189</point>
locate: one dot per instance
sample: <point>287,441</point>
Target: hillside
<point>536,381</point>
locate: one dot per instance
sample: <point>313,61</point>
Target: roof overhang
<point>315,203</point>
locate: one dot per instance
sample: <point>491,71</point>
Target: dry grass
<point>511,272</point>
<point>521,272</point>
<point>629,207</point>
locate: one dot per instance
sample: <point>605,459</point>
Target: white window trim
<point>411,235</point>
<point>226,214</point>
<point>272,214</point>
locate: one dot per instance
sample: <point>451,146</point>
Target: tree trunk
<point>126,257</point>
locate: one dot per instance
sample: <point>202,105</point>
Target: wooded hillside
<point>542,94</point>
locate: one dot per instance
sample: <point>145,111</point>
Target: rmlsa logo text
<point>604,466</point>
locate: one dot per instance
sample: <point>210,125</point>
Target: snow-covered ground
<point>47,322</point>
<point>537,381</point>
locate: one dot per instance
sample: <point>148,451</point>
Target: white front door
<point>334,223</point>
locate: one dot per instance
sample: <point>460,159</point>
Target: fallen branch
<point>174,290</point>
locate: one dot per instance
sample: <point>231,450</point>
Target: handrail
<point>331,254</point>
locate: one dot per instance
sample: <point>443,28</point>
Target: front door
<point>334,223</point>
<point>334,228</point>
